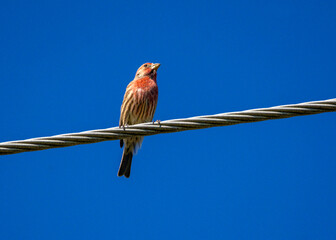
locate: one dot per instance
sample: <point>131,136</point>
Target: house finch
<point>138,106</point>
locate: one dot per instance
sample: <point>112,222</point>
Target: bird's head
<point>148,69</point>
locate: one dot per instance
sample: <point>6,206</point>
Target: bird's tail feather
<point>125,164</point>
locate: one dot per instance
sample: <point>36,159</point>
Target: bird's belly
<point>141,113</point>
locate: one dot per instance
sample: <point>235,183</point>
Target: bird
<point>138,106</point>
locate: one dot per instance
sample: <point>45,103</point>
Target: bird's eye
<point>145,65</point>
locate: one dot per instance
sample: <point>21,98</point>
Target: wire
<point>169,126</point>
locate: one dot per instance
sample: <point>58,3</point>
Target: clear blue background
<point>64,68</point>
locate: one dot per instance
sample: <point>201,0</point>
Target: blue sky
<point>64,68</point>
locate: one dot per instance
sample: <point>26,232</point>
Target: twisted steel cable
<point>169,126</point>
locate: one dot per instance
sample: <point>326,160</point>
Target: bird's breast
<point>145,104</point>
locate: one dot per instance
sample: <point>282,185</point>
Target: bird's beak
<point>155,66</point>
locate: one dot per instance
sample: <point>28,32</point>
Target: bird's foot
<point>158,121</point>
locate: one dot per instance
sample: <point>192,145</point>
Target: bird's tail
<point>131,145</point>
<point>126,162</point>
